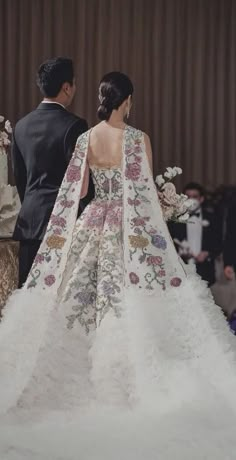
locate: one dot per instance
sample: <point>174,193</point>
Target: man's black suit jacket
<point>230,237</point>
<point>43,143</point>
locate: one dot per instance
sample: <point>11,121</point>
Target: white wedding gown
<point>112,351</point>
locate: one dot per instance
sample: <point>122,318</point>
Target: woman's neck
<point>116,120</point>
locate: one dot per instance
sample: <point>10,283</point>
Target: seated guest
<point>200,239</point>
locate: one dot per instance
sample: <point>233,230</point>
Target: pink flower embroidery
<point>95,216</point>
<point>73,173</point>
<point>152,231</point>
<point>59,221</point>
<point>134,278</point>
<point>137,149</point>
<point>175,282</point>
<point>161,273</point>
<point>114,217</point>
<point>140,220</point>
<point>133,171</point>
<point>39,259</point>
<point>134,202</point>
<point>49,280</point>
<point>57,231</point>
<point>67,204</point>
<point>154,260</point>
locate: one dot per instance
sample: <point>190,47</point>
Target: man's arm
<point>19,169</point>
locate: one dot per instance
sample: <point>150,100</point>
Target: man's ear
<point>66,88</point>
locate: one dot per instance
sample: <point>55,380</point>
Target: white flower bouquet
<point>5,131</point>
<point>175,206</point>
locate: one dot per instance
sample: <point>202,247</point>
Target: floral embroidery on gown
<point>94,274</point>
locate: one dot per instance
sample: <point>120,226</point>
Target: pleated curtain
<point>180,54</point>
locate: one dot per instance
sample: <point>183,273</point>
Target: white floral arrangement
<point>175,206</point>
<point>9,199</point>
<point>5,131</point>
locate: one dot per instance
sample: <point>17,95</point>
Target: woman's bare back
<point>106,143</point>
<point>105,146</point>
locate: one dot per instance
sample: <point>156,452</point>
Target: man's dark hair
<point>194,186</point>
<point>53,73</point>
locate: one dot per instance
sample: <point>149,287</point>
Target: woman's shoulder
<point>83,137</point>
<point>138,133</point>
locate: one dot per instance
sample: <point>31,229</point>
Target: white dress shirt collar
<point>194,233</point>
<point>46,101</point>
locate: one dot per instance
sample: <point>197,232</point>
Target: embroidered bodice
<point>108,183</point>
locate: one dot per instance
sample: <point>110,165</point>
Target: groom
<point>43,143</point>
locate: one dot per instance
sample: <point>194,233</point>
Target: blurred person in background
<point>199,241</point>
<point>229,252</point>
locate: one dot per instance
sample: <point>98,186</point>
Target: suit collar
<point>50,106</point>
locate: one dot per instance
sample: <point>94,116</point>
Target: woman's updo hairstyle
<point>114,89</point>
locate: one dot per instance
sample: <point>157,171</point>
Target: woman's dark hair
<point>195,186</point>
<point>114,89</point>
<point>53,73</point>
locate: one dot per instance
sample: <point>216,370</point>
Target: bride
<point>109,318</point>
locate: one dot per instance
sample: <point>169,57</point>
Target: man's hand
<point>202,256</point>
<point>229,272</point>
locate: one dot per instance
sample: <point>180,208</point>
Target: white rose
<point>4,138</point>
<point>183,218</point>
<point>185,244</point>
<point>8,127</point>
<point>168,212</point>
<point>169,194</point>
<point>160,180</point>
<point>168,175</point>
<point>1,118</point>
<point>169,187</point>
<point>178,170</point>
<point>189,203</point>
<point>171,171</point>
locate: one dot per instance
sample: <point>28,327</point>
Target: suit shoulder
<point>24,119</point>
<point>77,122</point>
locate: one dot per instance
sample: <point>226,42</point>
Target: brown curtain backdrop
<point>180,54</point>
